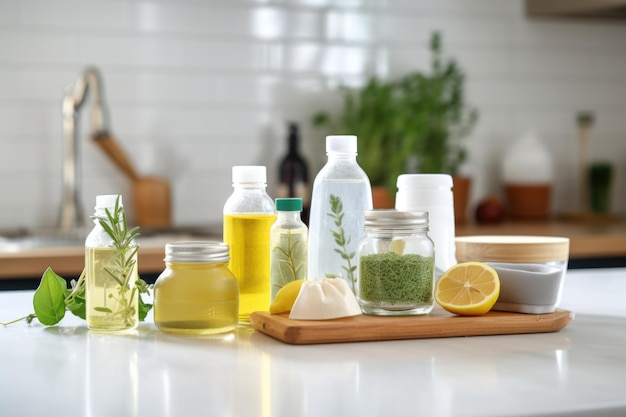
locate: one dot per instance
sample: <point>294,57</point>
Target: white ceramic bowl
<point>531,268</point>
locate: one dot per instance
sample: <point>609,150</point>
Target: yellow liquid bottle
<point>196,293</point>
<point>249,238</point>
<point>248,217</point>
<point>111,275</point>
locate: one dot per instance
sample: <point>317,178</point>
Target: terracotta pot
<point>528,201</point>
<point>461,187</point>
<point>382,198</point>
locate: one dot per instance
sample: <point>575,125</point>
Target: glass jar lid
<point>395,220</point>
<point>197,251</point>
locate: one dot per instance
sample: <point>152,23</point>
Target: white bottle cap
<point>107,201</point>
<point>341,143</point>
<point>249,173</point>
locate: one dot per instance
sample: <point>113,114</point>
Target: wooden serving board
<point>439,323</point>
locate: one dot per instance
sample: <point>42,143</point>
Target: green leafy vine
<point>53,299</point>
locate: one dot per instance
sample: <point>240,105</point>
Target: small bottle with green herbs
<point>288,245</point>
<point>396,264</point>
<point>111,269</point>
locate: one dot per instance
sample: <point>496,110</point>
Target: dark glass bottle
<point>293,173</point>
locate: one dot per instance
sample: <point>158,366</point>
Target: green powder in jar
<point>395,279</point>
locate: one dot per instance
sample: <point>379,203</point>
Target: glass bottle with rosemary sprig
<point>341,195</point>
<point>111,268</point>
<point>288,244</point>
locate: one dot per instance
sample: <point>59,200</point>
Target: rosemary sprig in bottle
<point>122,268</point>
<point>342,241</point>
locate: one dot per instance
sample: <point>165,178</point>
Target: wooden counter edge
<point>67,261</point>
<point>586,241</point>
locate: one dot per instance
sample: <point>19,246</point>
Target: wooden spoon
<point>151,195</point>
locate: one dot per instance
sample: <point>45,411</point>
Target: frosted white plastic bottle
<point>432,193</point>
<point>335,228</point>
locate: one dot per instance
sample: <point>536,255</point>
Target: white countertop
<point>67,371</point>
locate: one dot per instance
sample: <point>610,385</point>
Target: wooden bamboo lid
<point>515,249</point>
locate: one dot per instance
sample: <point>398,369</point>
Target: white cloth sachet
<point>329,298</point>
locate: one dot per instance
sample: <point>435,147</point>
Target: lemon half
<point>468,289</point>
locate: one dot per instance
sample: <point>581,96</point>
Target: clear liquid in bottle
<point>288,245</point>
<point>341,195</point>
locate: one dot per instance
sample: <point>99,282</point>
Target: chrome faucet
<point>90,82</point>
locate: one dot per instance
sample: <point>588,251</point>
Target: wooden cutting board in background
<point>439,323</point>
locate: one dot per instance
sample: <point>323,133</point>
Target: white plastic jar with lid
<point>432,193</point>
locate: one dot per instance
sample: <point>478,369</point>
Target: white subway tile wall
<point>194,87</point>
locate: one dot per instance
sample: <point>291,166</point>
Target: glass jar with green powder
<point>396,264</point>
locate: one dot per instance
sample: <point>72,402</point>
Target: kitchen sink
<point>23,239</point>
<point>21,243</point>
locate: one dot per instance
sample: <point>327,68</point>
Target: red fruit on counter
<point>490,211</point>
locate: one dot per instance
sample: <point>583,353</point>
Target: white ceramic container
<point>531,268</point>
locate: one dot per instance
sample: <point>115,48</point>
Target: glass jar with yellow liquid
<point>248,217</point>
<point>196,293</point>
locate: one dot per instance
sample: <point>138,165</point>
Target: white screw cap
<point>250,173</point>
<point>341,143</point>
<point>107,201</point>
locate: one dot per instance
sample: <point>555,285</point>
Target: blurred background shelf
<point>595,9</point>
<point>591,244</point>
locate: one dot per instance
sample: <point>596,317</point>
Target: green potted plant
<point>368,113</point>
<point>421,117</point>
